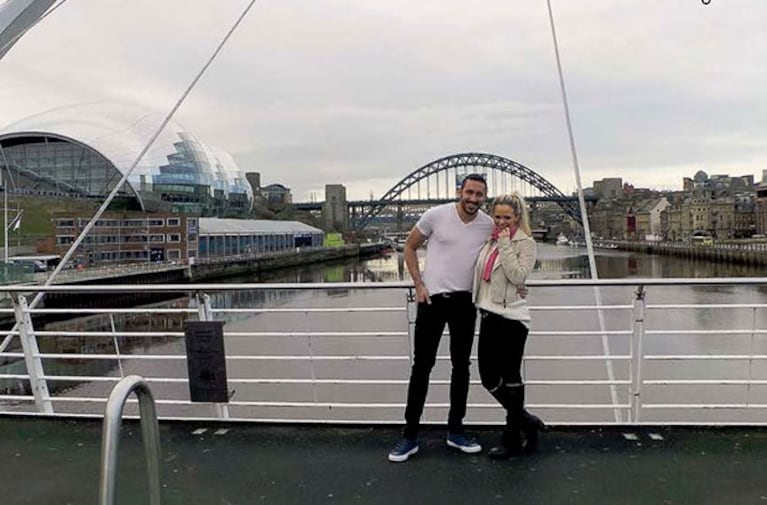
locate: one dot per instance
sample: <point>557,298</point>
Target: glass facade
<point>59,166</point>
<point>239,244</point>
<point>83,151</point>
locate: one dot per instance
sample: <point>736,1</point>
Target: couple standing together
<point>473,261</point>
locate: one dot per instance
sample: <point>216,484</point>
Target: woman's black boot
<point>511,444</point>
<point>531,426</point>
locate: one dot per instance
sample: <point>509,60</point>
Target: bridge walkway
<point>57,461</point>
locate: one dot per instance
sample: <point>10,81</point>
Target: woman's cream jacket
<point>515,261</point>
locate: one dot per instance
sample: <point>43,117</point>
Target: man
<point>456,233</point>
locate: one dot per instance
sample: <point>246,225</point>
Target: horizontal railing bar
<point>147,310</point>
<point>579,333</point>
<point>704,405</point>
<point>316,334</point>
<point>180,334</point>
<point>667,357</point>
<point>205,287</point>
<point>741,331</point>
<point>26,398</point>
<point>538,308</point>
<point>303,334</point>
<point>675,382</point>
<point>310,310</point>
<point>707,306</point>
<point>232,358</point>
<point>147,334</point>
<point>193,310</point>
<point>349,405</point>
<point>305,358</point>
<point>439,382</point>
<point>208,287</point>
<point>597,357</point>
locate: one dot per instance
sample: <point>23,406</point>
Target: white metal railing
<point>341,352</point>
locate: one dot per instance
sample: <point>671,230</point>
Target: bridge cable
<point>584,215</point>
<point>160,128</point>
<point>15,39</point>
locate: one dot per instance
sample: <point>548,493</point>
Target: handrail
<point>111,438</point>
<point>308,286</point>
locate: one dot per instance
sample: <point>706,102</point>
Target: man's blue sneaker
<point>404,449</point>
<point>463,443</point>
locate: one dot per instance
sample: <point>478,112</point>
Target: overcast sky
<point>362,92</point>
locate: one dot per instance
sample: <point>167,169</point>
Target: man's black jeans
<point>456,310</point>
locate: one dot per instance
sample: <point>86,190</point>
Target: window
<point>174,221</point>
<point>174,238</point>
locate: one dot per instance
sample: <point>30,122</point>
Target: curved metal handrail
<point>111,438</point>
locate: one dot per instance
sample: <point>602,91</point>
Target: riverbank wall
<point>744,254</point>
<point>218,268</point>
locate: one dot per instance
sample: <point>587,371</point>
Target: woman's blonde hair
<point>518,205</point>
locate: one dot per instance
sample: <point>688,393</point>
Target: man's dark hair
<point>474,177</point>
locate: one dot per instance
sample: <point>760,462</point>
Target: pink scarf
<point>494,253</point>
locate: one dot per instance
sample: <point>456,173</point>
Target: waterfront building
<point>648,217</point>
<point>82,151</point>
<point>131,237</point>
<point>609,187</point>
<point>232,237</point>
<point>277,194</point>
<point>744,217</point>
<point>178,237</point>
<point>609,218</point>
<point>760,218</point>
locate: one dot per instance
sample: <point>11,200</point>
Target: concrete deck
<point>56,461</point>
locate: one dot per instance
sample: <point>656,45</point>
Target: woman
<point>504,263</point>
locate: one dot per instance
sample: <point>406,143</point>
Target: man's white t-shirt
<point>453,247</point>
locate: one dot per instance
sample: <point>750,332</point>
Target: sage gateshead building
<point>83,151</point>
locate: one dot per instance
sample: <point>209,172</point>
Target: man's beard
<point>466,207</point>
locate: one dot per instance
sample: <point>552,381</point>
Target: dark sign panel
<point>205,358</point>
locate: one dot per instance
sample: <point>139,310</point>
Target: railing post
<point>116,344</point>
<point>204,309</point>
<point>310,350</point>
<point>110,439</point>
<point>637,335</point>
<point>32,355</point>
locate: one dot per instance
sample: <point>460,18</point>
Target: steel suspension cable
<point>19,35</point>
<point>584,214</point>
<point>133,165</point>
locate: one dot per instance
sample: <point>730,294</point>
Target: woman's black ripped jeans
<point>501,346</point>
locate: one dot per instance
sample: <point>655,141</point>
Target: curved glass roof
<point>119,132</point>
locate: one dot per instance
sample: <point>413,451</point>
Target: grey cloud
<point>364,92</point>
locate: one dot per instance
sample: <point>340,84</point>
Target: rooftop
<point>57,461</point>
<point>214,226</point>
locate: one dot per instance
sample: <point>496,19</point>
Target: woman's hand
<point>504,233</point>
